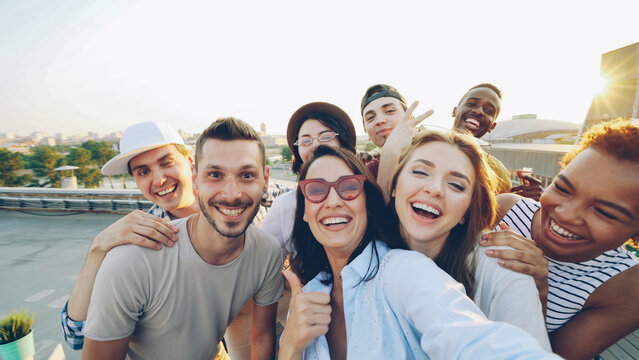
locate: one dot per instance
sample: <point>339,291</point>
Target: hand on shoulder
<point>139,228</point>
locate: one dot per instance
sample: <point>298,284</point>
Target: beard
<point>230,229</point>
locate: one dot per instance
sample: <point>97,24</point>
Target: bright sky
<point>74,66</point>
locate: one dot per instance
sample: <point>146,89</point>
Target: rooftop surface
<point>42,253</point>
<point>41,257</point>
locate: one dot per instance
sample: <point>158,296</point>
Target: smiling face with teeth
<point>432,194</point>
<point>230,178</point>
<point>591,207</point>
<point>337,224</point>
<point>477,112</point>
<point>163,175</point>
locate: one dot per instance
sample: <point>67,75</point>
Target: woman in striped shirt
<point>585,216</point>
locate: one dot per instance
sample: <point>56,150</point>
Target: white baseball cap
<point>139,138</point>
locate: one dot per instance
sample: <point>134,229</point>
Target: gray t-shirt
<point>172,303</point>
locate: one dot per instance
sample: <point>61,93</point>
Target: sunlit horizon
<point>101,66</point>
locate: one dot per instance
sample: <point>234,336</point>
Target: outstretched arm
<point>137,228</point>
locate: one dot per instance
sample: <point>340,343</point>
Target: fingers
<point>145,242</point>
<point>418,119</point>
<point>528,191</point>
<point>537,272</point>
<point>294,282</point>
<point>507,237</point>
<point>503,226</point>
<point>411,108</point>
<point>153,232</point>
<point>532,180</point>
<point>515,255</point>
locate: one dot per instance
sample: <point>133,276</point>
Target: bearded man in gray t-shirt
<point>177,302</point>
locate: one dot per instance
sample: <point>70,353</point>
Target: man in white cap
<point>177,302</point>
<point>155,155</point>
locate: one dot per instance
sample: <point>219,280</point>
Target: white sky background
<point>101,65</point>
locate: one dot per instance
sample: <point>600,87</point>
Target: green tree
<point>101,152</point>
<point>44,160</point>
<point>87,173</point>
<point>370,146</point>
<point>10,163</point>
<point>287,155</point>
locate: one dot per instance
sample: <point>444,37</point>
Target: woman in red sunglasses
<point>311,125</point>
<point>443,200</point>
<point>353,295</point>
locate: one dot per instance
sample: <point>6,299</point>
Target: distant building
<point>36,136</point>
<point>8,136</point>
<point>262,129</point>
<point>274,140</point>
<point>528,128</point>
<point>620,99</point>
<point>48,141</point>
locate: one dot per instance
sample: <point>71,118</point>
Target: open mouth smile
<point>335,223</point>
<point>425,211</point>
<point>166,191</point>
<point>472,124</point>
<point>563,233</point>
<point>234,212</point>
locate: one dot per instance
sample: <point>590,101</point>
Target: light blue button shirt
<point>413,310</point>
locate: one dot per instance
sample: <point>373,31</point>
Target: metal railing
<point>76,200</point>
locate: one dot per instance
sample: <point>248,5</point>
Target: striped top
<point>569,284</point>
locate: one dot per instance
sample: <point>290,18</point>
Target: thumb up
<point>308,318</point>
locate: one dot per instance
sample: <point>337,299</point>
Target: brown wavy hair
<point>481,211</point>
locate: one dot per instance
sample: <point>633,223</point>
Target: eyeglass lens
<point>323,137</point>
<point>347,188</point>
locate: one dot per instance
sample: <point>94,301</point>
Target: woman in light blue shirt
<point>442,196</point>
<point>362,299</point>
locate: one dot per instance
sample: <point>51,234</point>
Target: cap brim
<point>120,164</point>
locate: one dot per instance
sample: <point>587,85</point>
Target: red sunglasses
<point>348,187</point>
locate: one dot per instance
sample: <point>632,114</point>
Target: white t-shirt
<point>280,219</point>
<point>508,296</point>
<point>173,304</point>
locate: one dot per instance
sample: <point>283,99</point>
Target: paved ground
<point>41,256</point>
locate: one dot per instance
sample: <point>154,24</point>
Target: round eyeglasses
<point>348,187</point>
<point>308,140</point>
